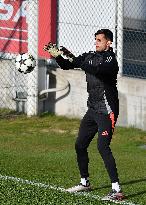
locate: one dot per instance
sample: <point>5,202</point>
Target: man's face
<point>102,44</point>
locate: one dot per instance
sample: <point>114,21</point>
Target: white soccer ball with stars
<point>25,63</point>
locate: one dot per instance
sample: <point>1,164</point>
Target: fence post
<point>32,79</point>
<point>120,17</point>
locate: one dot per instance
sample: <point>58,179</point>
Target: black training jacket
<point>101,70</point>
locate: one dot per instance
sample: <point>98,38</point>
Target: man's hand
<point>53,50</point>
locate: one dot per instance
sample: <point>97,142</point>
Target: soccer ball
<point>25,63</point>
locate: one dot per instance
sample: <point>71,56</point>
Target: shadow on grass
<point>135,194</point>
<point>124,183</point>
<point>127,183</point>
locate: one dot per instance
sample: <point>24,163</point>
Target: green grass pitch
<point>40,151</point>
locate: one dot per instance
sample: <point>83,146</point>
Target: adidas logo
<point>108,59</point>
<point>105,133</point>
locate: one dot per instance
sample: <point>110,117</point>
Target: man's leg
<point>105,131</point>
<point>88,129</point>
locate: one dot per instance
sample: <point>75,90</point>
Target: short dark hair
<point>108,34</point>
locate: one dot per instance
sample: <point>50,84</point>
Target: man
<point>101,70</point>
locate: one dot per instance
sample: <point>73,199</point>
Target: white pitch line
<point>53,187</point>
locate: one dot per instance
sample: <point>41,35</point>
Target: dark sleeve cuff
<point>64,64</point>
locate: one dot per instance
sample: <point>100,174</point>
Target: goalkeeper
<point>101,70</point>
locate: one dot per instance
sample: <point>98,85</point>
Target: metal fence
<point>77,21</point>
<point>134,32</point>
<point>18,34</point>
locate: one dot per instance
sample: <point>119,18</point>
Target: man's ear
<point>109,43</point>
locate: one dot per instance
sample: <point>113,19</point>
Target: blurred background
<point>27,25</point>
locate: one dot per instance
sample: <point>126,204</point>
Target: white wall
<point>74,101</point>
<point>7,84</point>
<point>132,97</point>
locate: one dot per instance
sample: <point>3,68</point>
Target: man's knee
<point>103,148</point>
<point>100,148</point>
<point>80,146</point>
<point>77,146</point>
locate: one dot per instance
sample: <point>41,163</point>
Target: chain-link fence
<point>72,23</point>
<point>18,34</point>
<point>134,45</point>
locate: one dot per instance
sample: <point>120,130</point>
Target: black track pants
<point>90,125</point>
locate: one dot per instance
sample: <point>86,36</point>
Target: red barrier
<point>47,24</point>
<point>13,26</point>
